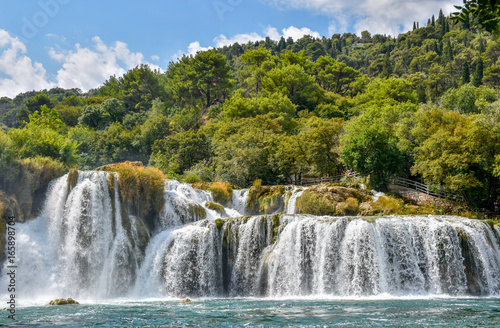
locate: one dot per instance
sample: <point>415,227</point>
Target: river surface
<point>304,312</point>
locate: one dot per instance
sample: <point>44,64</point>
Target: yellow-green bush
<point>221,191</point>
<point>140,186</point>
<point>311,203</point>
<point>349,207</point>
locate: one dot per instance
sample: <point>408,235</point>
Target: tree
<point>387,71</point>
<point>315,50</point>
<point>478,74</point>
<point>455,151</point>
<point>485,15</point>
<point>492,76</point>
<point>257,63</point>
<point>182,150</point>
<point>335,76</point>
<point>93,116</point>
<point>33,104</point>
<point>212,75</point>
<point>369,145</point>
<point>293,82</point>
<point>42,136</point>
<point>465,73</point>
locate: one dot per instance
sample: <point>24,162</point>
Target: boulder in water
<point>62,301</point>
<point>187,300</point>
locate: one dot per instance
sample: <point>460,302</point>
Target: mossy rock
<point>29,184</point>
<point>315,204</point>
<point>187,300</point>
<point>216,207</point>
<point>62,301</point>
<point>142,187</point>
<point>221,191</point>
<point>265,199</point>
<point>219,223</point>
<point>348,207</point>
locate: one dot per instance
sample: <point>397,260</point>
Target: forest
<point>423,105</point>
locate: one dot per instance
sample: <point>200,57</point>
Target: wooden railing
<point>423,188</point>
<point>333,179</point>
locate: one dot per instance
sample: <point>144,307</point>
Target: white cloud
<point>378,16</point>
<point>271,32</point>
<point>17,71</point>
<point>297,33</point>
<point>87,68</point>
<point>193,48</point>
<point>223,40</point>
<point>155,58</point>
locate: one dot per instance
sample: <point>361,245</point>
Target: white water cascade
<point>81,244</point>
<point>85,244</point>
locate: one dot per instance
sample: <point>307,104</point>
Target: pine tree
<point>414,26</point>
<point>465,73</point>
<point>387,71</point>
<point>433,22</point>
<point>482,46</point>
<point>429,22</point>
<point>478,74</point>
<point>281,44</point>
<point>467,23</point>
<point>421,94</point>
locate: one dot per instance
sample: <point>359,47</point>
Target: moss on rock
<point>221,191</point>
<point>216,207</point>
<point>142,187</point>
<point>62,301</point>
<point>265,199</point>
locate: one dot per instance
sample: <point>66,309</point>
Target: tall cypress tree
<point>465,73</point>
<point>387,71</point>
<point>433,22</point>
<point>478,74</point>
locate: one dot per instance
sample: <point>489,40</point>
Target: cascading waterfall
<point>81,245</point>
<point>85,244</point>
<point>293,193</point>
<point>305,255</point>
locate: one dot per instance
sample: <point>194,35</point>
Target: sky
<point>81,43</point>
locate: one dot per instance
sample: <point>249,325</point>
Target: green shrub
<point>310,203</point>
<point>349,207</point>
<point>139,186</point>
<point>191,177</point>
<point>257,183</point>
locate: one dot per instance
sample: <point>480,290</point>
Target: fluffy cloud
<point>380,16</point>
<point>17,71</point>
<point>223,40</point>
<point>83,68</point>
<point>87,68</point>
<point>193,48</point>
<point>292,31</point>
<point>272,32</point>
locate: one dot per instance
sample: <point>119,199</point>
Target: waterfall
<point>85,244</point>
<point>82,244</point>
<point>293,193</point>
<point>304,255</point>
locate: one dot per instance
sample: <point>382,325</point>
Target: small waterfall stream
<point>85,244</point>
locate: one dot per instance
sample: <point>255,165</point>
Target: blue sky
<point>80,43</point>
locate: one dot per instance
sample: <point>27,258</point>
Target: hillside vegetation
<point>424,105</point>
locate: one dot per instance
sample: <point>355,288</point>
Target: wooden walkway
<point>423,188</point>
<point>397,181</point>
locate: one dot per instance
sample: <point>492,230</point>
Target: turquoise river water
<point>395,312</point>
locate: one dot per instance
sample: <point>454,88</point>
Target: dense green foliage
<point>424,105</point>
